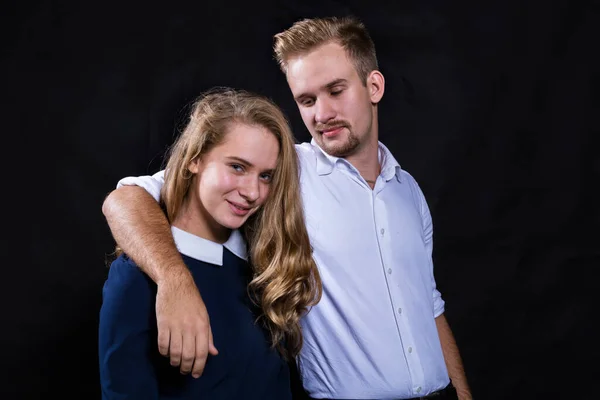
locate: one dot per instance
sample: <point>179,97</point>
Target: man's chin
<point>336,151</point>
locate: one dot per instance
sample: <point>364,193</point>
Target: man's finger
<point>175,349</point>
<point>163,341</point>
<point>200,361</point>
<point>212,350</point>
<point>188,353</point>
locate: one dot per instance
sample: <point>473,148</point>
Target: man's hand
<point>184,333</point>
<point>140,227</point>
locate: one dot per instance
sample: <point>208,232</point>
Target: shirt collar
<point>389,164</point>
<point>204,250</point>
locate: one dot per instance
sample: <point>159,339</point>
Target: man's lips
<point>329,132</point>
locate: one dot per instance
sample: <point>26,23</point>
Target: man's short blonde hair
<point>308,34</point>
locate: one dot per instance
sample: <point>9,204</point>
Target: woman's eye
<point>266,177</point>
<point>237,167</point>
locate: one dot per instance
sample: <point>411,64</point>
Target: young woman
<point>231,183</point>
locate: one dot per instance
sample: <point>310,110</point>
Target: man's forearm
<point>452,357</point>
<point>141,229</point>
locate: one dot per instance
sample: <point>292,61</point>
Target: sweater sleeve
<point>126,345</point>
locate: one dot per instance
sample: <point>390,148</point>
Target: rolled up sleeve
<point>151,183</point>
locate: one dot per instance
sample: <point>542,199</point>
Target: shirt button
<point>399,310</point>
<point>389,271</point>
<point>419,389</point>
<point>382,231</point>
<point>410,349</point>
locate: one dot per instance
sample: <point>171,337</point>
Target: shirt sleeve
<point>126,340</point>
<point>152,183</point>
<point>438,301</point>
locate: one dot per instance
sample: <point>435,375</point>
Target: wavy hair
<point>286,282</point>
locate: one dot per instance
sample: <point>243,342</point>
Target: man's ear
<point>376,86</point>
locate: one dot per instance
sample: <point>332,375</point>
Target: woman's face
<point>233,179</point>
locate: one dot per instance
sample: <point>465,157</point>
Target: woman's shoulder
<point>123,262</point>
<point>124,272</point>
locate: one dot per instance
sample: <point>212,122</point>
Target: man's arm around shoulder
<point>141,229</point>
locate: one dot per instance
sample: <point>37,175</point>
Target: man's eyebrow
<point>335,83</point>
<point>301,96</point>
<point>328,85</point>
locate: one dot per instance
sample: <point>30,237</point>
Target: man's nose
<point>324,111</point>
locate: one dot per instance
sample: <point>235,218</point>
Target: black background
<point>492,106</point>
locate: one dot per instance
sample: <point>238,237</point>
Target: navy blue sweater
<point>131,366</point>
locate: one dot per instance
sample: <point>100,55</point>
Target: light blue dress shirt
<point>373,334</point>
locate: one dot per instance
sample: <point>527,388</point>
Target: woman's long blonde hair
<point>286,281</point>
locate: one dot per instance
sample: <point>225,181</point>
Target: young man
<point>379,331</point>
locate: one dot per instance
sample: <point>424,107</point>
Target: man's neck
<point>366,161</point>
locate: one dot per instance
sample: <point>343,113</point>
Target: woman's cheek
<point>227,181</point>
<point>264,193</point>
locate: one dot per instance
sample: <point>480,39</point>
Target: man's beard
<point>343,149</point>
<point>338,149</point>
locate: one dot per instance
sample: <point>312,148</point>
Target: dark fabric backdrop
<point>492,106</point>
